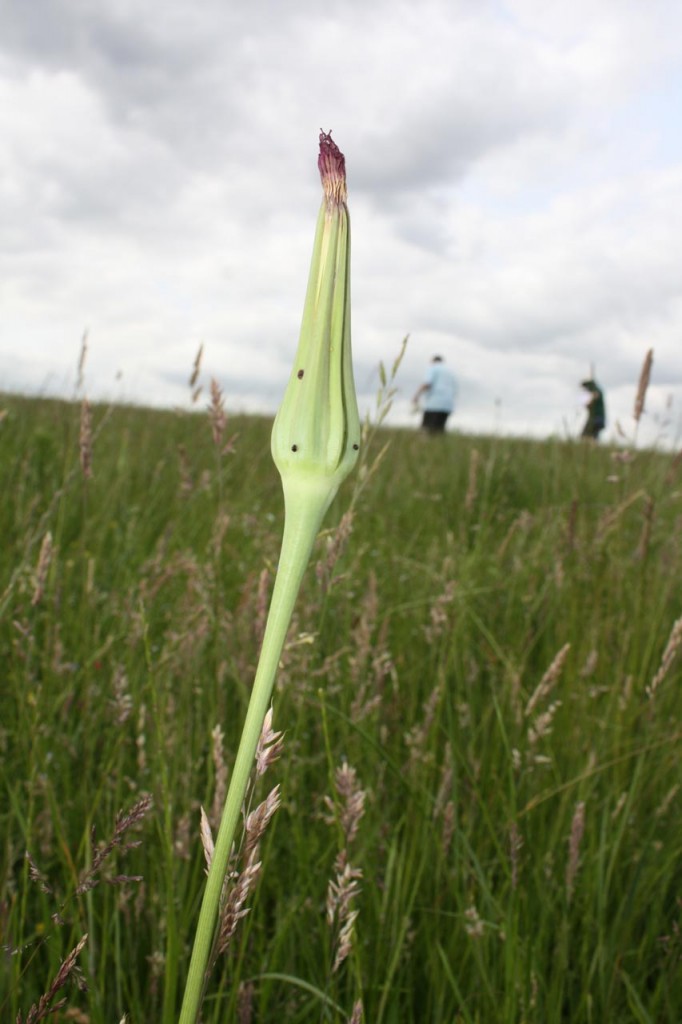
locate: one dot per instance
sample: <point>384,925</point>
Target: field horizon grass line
<point>131,633</point>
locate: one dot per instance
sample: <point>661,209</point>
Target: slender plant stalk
<point>315,444</point>
<point>297,543</point>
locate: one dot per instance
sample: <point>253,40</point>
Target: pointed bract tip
<point>332,165</point>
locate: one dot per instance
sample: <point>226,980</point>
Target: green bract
<point>316,434</point>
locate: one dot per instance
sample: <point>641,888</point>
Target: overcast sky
<point>515,189</point>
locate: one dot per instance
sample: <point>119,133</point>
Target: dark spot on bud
<point>356,447</point>
<point>300,374</point>
<point>294,447</point>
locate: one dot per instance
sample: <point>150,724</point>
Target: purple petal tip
<point>332,165</point>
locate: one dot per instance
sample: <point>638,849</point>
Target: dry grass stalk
<point>220,526</point>
<point>574,841</point>
<point>216,413</point>
<point>37,876</point>
<point>270,744</point>
<point>243,882</point>
<point>610,519</point>
<point>472,487</point>
<point>336,545</point>
<point>218,420</point>
<point>383,668</point>
<point>623,457</point>
<point>417,738</point>
<point>448,829</point>
<point>122,702</point>
<point>445,787</point>
<point>438,613</point>
<point>44,560</point>
<point>521,524</point>
<point>342,892</point>
<point>673,468</point>
<point>474,925</point>
<point>665,803</point>
<point>221,774</point>
<point>80,375</point>
<point>515,846</point>
<point>542,726</point>
<point>669,654</point>
<point>363,632</point>
<point>186,482</point>
<point>347,808</point>
<point>643,384</point>
<point>620,804</point>
<point>196,367</point>
<point>444,806</point>
<point>124,822</point>
<point>206,838</point>
<point>349,805</point>
<point>371,663</point>
<point>234,909</point>
<point>85,439</point>
<point>141,740</point>
<point>626,695</point>
<point>548,681</point>
<point>182,845</point>
<point>590,665</point>
<point>645,536</point>
<point>572,524</point>
<point>42,1009</point>
<point>258,820</point>
<point>358,1014</point>
<point>245,995</point>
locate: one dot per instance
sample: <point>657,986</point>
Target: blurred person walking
<point>439,387</point>
<point>596,410</point>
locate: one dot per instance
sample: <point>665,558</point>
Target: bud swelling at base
<point>316,433</point>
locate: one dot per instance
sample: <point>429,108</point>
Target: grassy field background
<point>484,639</point>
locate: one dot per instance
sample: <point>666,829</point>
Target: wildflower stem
<point>300,529</point>
<point>315,444</point>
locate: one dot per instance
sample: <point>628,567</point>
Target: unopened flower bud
<point>316,434</point>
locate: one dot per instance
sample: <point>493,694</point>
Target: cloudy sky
<point>515,188</point>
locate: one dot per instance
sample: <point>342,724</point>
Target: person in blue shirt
<point>439,387</point>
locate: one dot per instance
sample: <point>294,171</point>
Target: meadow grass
<point>481,643</point>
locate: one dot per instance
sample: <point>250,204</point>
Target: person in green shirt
<point>596,411</point>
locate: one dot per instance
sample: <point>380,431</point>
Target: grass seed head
<point>669,655</point>
<point>574,841</point>
<point>358,1014</point>
<point>44,560</point>
<point>85,439</point>
<point>643,385</point>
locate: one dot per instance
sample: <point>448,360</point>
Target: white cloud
<point>515,187</point>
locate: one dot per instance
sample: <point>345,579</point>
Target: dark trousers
<point>434,422</point>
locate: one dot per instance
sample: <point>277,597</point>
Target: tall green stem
<point>315,444</point>
<point>300,530</point>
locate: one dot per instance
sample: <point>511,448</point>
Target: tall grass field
<point>479,697</point>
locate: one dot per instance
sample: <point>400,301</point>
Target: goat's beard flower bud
<point>316,434</point>
<point>315,444</point>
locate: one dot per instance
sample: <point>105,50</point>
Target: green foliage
<point>425,653</point>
